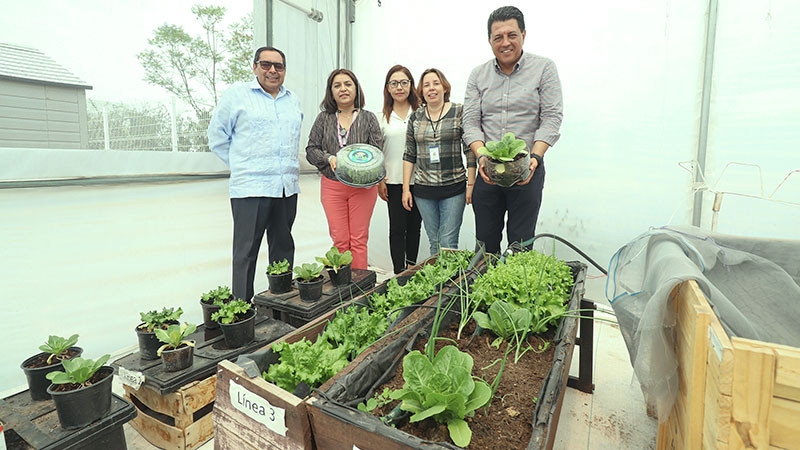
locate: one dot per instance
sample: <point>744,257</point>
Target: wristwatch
<point>538,159</point>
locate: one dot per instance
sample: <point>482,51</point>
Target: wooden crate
<point>733,393</point>
<point>177,420</point>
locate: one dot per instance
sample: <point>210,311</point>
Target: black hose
<point>568,244</point>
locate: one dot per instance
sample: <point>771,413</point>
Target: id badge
<point>433,151</point>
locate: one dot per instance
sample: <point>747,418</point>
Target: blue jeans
<point>442,219</point>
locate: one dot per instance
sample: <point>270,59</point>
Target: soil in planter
<point>41,360</point>
<point>96,378</point>
<point>508,419</point>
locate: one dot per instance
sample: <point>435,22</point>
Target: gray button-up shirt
<point>527,102</point>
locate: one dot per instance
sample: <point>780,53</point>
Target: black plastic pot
<point>177,359</point>
<point>83,406</point>
<point>342,277</point>
<point>310,291</point>
<point>208,310</point>
<point>240,333</point>
<point>37,380</point>
<point>149,343</point>
<point>280,283</point>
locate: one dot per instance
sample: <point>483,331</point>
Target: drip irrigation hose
<point>568,244</point>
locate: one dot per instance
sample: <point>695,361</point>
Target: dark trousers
<point>491,202</point>
<point>252,216</point>
<point>404,228</point>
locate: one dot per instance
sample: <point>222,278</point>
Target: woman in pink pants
<point>342,122</point>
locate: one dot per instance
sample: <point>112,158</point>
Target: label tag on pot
<point>131,378</point>
<point>258,408</point>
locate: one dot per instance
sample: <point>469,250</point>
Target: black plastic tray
<point>289,308</point>
<point>209,350</point>
<point>34,424</point>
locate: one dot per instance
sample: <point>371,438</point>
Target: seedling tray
<point>290,309</point>
<point>34,424</point>
<point>210,349</point>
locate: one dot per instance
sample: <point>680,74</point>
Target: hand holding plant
<point>231,312</point>
<point>57,347</point>
<point>174,336</point>
<point>77,370</point>
<point>336,260</point>
<point>278,267</point>
<point>308,271</point>
<point>504,150</point>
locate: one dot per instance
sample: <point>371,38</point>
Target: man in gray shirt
<point>514,92</point>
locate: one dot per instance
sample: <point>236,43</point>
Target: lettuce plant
<point>154,319</point>
<point>77,370</point>
<point>57,347</point>
<point>336,260</point>
<point>174,336</point>
<point>217,296</point>
<point>231,312</point>
<point>442,388</point>
<point>504,150</point>
<point>308,271</point>
<point>278,267</point>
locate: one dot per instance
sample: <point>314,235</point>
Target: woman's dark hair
<point>329,103</point>
<point>442,79</point>
<point>388,100</point>
<point>506,13</point>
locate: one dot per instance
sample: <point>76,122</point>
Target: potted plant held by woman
<point>148,342</point>
<point>36,368</point>
<point>211,301</point>
<point>238,322</point>
<point>177,353</point>
<point>508,160</point>
<point>309,281</point>
<point>338,265</point>
<point>82,392</point>
<point>279,274</point>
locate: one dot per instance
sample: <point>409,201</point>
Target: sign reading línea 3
<point>258,408</point>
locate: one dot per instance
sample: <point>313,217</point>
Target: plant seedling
<point>378,400</point>
<point>217,296</point>
<point>308,271</point>
<point>154,319</point>
<point>231,312</point>
<point>336,260</point>
<point>174,336</point>
<point>57,347</point>
<point>278,267</point>
<point>77,370</point>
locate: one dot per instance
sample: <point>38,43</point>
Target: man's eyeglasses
<point>279,67</point>
<point>394,83</point>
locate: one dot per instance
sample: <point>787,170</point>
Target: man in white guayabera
<point>514,92</point>
<point>255,130</point>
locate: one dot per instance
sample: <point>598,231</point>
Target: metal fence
<point>146,126</point>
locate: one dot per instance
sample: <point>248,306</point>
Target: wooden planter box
<point>732,392</point>
<point>336,427</point>
<point>236,429</point>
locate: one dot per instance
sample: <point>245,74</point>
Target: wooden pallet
<point>178,420</point>
<point>732,393</point>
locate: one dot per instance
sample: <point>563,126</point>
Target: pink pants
<point>349,211</point>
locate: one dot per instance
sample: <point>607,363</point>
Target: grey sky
<point>98,40</point>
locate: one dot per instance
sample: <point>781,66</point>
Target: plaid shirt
<point>527,102</point>
<point>420,137</point>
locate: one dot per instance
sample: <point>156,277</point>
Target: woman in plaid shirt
<point>434,145</point>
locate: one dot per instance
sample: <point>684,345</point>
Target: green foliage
<point>504,320</point>
<point>217,296</point>
<point>308,271</point>
<point>505,149</point>
<point>231,312</point>
<point>278,267</point>
<point>529,280</point>
<point>154,319</point>
<point>57,347</point>
<point>345,336</point>
<point>174,336</point>
<point>336,260</point>
<point>379,400</point>
<point>77,370</point>
<point>442,388</point>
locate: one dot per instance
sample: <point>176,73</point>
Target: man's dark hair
<point>261,49</point>
<point>506,13</point>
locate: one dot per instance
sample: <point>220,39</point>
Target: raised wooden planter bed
<point>241,387</point>
<point>732,392</point>
<point>336,426</point>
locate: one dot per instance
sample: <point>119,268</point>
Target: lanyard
<point>435,125</point>
<point>343,134</point>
